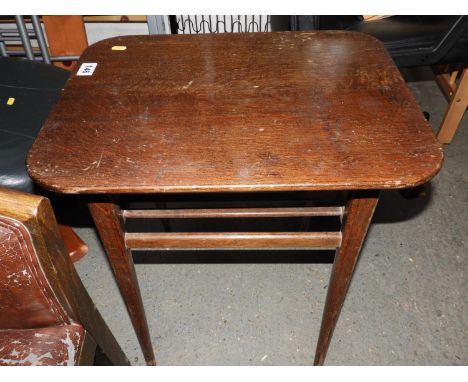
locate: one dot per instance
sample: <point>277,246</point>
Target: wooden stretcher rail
<point>233,240</point>
<point>233,213</point>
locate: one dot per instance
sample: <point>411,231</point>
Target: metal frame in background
<point>193,24</point>
<point>24,35</point>
<point>158,24</point>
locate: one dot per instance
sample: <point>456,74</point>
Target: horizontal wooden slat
<point>234,212</point>
<point>233,240</point>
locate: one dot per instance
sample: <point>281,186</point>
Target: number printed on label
<point>86,69</point>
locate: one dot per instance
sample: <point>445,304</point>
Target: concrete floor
<point>407,304</point>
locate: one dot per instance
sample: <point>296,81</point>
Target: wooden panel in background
<point>66,36</point>
<point>115,18</point>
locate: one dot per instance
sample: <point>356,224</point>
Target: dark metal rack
<point>192,24</point>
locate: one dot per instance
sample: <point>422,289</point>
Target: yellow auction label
<point>10,101</point>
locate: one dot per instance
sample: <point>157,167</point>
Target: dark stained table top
<point>235,112</point>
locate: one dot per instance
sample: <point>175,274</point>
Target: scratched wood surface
<point>283,111</point>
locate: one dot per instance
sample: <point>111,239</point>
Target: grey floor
<point>407,304</point>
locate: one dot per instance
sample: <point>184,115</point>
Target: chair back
<point>31,252</point>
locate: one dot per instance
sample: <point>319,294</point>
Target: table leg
<point>358,215</point>
<point>110,226</point>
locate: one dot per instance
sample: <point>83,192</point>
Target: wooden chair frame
<point>455,88</point>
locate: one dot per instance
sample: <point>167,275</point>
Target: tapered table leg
<point>358,215</point>
<point>110,226</point>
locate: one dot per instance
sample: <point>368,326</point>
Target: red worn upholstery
<point>34,327</point>
<point>54,346</point>
<point>26,298</point>
<point>46,315</point>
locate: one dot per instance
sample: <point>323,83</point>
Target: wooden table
<point>230,113</point>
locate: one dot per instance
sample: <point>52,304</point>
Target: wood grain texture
<point>234,240</point>
<point>186,213</point>
<point>110,226</point>
<point>287,111</point>
<point>358,215</point>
